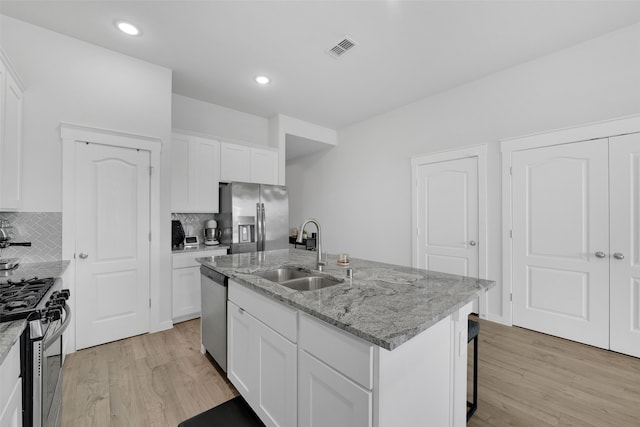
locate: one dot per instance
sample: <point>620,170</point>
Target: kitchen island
<point>387,347</point>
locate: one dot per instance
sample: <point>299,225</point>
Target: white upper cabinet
<point>248,164</point>
<point>10,137</point>
<point>235,162</point>
<point>264,166</point>
<point>195,173</point>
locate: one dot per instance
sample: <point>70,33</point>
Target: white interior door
<point>112,243</point>
<point>561,241</point>
<point>448,216</point>
<point>624,193</point>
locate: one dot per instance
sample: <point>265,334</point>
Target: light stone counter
<point>383,304</point>
<point>10,331</point>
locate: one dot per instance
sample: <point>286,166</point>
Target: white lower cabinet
<point>295,370</point>
<point>11,389</point>
<point>328,398</point>
<point>186,300</point>
<point>262,363</point>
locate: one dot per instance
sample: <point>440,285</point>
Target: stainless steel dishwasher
<point>213,325</point>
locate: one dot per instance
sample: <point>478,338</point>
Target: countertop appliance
<point>177,233</point>
<point>213,323</point>
<point>253,217</point>
<point>43,303</point>
<point>210,231</point>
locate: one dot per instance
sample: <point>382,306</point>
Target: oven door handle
<point>49,341</point>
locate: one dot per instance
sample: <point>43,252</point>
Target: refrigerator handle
<point>258,227</point>
<point>264,228</point>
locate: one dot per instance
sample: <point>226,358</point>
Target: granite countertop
<point>383,304</point>
<point>200,248</point>
<point>10,331</point>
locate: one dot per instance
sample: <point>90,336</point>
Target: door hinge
<point>149,236</point>
<point>511,234</point>
<point>510,170</point>
<point>510,297</point>
<point>149,302</point>
<point>150,170</point>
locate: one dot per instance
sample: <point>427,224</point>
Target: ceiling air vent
<point>341,47</point>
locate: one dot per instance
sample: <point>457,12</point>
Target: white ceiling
<point>406,50</point>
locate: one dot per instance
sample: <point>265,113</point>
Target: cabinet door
<point>624,152</point>
<point>276,390</point>
<point>180,157</point>
<point>328,399</point>
<point>186,293</point>
<point>264,166</point>
<point>235,163</point>
<point>11,145</point>
<point>205,174</point>
<point>241,360</point>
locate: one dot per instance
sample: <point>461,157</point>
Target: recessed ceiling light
<point>263,80</point>
<point>128,28</point>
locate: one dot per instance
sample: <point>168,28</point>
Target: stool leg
<point>474,405</point>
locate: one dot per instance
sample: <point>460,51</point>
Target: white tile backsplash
<point>42,229</point>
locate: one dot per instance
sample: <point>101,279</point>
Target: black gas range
<point>43,303</point>
<point>33,298</point>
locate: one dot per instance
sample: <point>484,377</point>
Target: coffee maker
<point>210,233</point>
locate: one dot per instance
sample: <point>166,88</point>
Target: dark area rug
<point>233,413</point>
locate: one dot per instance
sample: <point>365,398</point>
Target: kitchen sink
<point>310,283</point>
<point>297,279</point>
<point>280,275</point>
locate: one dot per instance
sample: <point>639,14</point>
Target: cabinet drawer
<point>9,373</point>
<point>277,316</point>
<point>343,352</point>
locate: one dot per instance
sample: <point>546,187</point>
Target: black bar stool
<point>474,330</point>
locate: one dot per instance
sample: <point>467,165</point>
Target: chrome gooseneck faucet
<point>318,239</point>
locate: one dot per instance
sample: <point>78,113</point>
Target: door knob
<point>618,255</point>
<point>600,254</point>
<point>472,243</point>
<point>83,255</point>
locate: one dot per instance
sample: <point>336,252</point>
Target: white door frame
<point>480,152</point>
<point>72,134</point>
<point>598,130</point>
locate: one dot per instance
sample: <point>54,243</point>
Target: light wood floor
<point>525,379</point>
<point>152,380</point>
<point>531,379</point>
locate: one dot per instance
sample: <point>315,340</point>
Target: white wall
<point>360,190</point>
<point>215,120</point>
<point>71,81</point>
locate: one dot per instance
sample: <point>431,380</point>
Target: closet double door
<point>576,241</point>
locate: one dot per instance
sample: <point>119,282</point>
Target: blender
<point>210,233</point>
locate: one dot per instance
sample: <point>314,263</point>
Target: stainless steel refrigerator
<point>253,217</point>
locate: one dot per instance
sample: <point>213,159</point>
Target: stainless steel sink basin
<point>310,283</point>
<point>280,275</point>
<point>300,280</point>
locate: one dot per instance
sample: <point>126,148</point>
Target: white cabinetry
<point>186,283</point>
<point>11,389</point>
<point>334,378</point>
<point>264,166</point>
<point>282,361</point>
<point>195,173</point>
<point>10,136</point>
<point>248,164</point>
<point>262,360</point>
